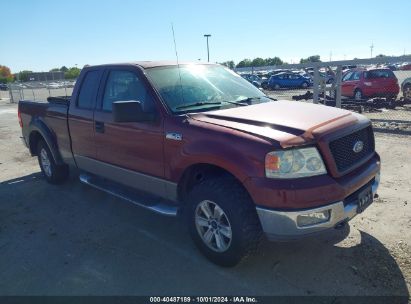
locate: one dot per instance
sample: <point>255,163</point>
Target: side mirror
<point>130,111</point>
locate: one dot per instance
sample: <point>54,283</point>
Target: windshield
<point>202,88</point>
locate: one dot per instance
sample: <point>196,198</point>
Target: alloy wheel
<point>213,226</point>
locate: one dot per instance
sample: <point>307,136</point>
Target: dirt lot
<point>75,240</point>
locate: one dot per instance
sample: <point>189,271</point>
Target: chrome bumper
<point>283,225</point>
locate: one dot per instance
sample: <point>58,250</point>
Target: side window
<point>88,90</point>
<point>347,76</point>
<point>356,76</point>
<point>123,86</point>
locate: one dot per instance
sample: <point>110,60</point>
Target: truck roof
<point>152,64</point>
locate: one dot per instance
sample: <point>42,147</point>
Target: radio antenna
<point>178,64</point>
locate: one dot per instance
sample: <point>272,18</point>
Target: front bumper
<point>283,225</point>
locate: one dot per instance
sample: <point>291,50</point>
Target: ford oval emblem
<point>358,146</point>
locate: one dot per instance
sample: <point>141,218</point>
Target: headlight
<point>294,163</point>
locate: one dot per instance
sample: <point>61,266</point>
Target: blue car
<point>289,80</point>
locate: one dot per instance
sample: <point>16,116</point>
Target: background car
<point>369,83</point>
<point>328,77</point>
<point>3,87</point>
<point>254,79</point>
<point>289,80</point>
<point>406,88</point>
<point>405,67</point>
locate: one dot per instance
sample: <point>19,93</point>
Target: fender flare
<point>37,125</point>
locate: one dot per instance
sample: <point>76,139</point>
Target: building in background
<point>45,76</point>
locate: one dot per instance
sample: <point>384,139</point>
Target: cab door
<point>347,85</point>
<point>128,150</point>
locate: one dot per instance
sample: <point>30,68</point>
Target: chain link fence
<point>379,88</point>
<point>40,90</point>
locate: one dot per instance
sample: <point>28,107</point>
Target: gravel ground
<point>75,240</point>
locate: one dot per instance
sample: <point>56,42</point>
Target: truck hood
<point>290,123</point>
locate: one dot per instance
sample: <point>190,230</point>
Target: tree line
<point>258,62</point>
<point>7,76</point>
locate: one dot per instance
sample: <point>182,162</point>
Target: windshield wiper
<point>274,99</point>
<point>196,104</point>
<point>247,101</point>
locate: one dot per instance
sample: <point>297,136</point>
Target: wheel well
<point>34,139</point>
<point>196,174</point>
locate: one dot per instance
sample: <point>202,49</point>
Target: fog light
<point>313,218</point>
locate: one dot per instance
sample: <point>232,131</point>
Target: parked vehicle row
<point>42,85</point>
<point>358,82</point>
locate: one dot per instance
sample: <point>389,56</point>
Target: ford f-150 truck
<point>198,140</point>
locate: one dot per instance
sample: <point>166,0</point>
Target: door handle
<point>99,126</point>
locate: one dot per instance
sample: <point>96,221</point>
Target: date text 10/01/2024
<point>236,299</point>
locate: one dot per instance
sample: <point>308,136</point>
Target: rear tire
<point>358,95</point>
<point>407,92</point>
<point>54,174</point>
<point>276,86</point>
<point>229,229</point>
<point>304,85</point>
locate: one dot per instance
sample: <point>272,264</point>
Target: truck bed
<point>52,115</point>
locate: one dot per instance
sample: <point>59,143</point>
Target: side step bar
<point>125,194</point>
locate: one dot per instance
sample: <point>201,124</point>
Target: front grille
<point>342,148</point>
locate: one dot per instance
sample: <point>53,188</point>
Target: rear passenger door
<point>81,116</point>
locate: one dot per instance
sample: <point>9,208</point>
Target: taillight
<point>19,116</point>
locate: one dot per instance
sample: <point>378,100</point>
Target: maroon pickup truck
<point>199,141</point>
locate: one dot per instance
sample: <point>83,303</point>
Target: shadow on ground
<point>75,240</point>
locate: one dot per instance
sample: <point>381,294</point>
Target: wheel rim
<point>407,93</point>
<point>358,95</point>
<point>276,86</point>
<point>45,162</point>
<point>305,85</point>
<point>213,226</point>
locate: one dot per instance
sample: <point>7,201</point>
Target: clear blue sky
<point>43,34</point>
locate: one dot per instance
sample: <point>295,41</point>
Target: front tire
<point>223,221</point>
<point>54,174</point>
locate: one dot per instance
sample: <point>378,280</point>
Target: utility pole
<point>208,49</point>
<point>331,55</point>
<point>371,48</point>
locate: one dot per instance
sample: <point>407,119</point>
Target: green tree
<point>380,56</point>
<point>229,64</point>
<point>244,63</point>
<point>257,62</point>
<point>274,61</point>
<point>24,75</point>
<point>64,69</point>
<point>55,70</point>
<point>314,58</point>
<point>72,73</point>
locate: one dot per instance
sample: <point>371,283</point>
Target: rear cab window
<point>88,90</point>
